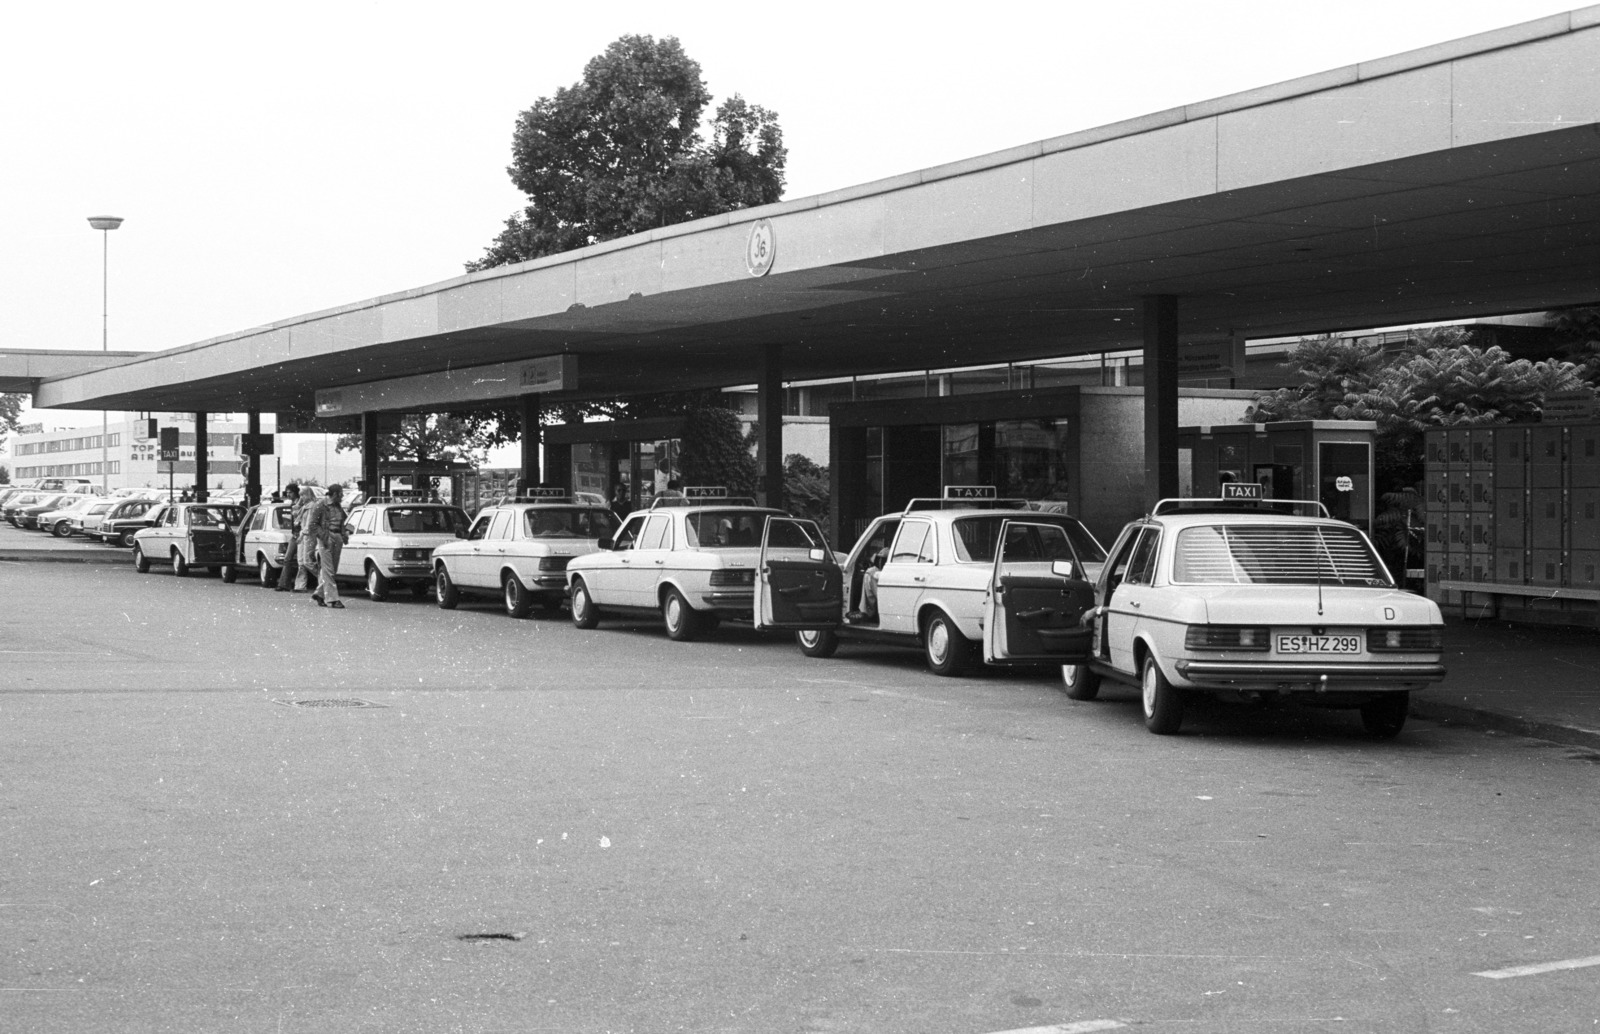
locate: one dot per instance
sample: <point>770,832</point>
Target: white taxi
<point>961,577</point>
<point>391,543</point>
<point>1252,600</point>
<point>519,550</point>
<point>691,559</point>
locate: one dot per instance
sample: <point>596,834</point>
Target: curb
<point>1498,721</point>
<point>50,556</point>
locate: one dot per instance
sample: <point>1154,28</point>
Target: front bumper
<point>1316,676</point>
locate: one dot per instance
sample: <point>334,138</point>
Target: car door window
<point>657,533</point>
<point>1142,565</point>
<point>501,528</point>
<point>480,527</point>
<point>908,545</point>
<point>628,536</point>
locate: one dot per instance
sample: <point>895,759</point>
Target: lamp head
<point>105,222</point>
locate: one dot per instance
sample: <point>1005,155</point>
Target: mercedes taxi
<point>692,559</point>
<point>391,543</point>
<point>190,535</point>
<point>964,577</point>
<point>264,541</point>
<point>518,549</point>
<point>1256,600</point>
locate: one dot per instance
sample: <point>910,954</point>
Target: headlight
<point>1227,637</point>
<point>1416,639</point>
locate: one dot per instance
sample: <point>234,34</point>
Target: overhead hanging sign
<point>449,387</point>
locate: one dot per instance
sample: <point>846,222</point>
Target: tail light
<point>1417,639</point>
<point>1227,637</point>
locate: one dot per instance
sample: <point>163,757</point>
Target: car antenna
<point>1323,544</point>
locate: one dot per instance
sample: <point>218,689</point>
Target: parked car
<point>84,519</point>
<point>26,511</point>
<point>519,550</point>
<point>1246,602</point>
<point>127,518</point>
<point>391,543</point>
<point>190,535</point>
<point>56,521</point>
<point>963,578</point>
<point>691,559</point>
<point>263,542</point>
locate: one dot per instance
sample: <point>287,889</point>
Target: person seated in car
<point>869,590</point>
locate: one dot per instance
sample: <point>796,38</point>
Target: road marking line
<point>1542,967</point>
<point>1081,1027</point>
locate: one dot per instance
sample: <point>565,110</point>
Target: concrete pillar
<point>1160,398</point>
<point>252,480</point>
<point>202,468</point>
<point>528,409</point>
<point>369,454</point>
<point>769,418</point>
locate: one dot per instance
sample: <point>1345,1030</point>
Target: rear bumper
<point>1301,675</point>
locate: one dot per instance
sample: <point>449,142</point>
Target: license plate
<point>1319,644</point>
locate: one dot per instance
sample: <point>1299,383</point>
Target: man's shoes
<point>855,615</point>
<point>298,590</point>
<point>336,604</point>
<point>319,599</point>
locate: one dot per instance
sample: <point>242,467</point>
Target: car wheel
<point>1163,702</point>
<point>948,651</point>
<point>127,537</point>
<point>449,595</point>
<point>265,574</point>
<point>682,623</point>
<point>180,566</point>
<point>518,602</point>
<point>1384,716</point>
<point>230,574</point>
<point>61,529</point>
<point>377,584</point>
<point>141,563</point>
<point>584,612</point>
<point>817,642</point>
<point>1079,683</point>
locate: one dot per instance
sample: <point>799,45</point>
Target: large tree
<point>622,150</point>
<point>424,438</point>
<point>10,410</point>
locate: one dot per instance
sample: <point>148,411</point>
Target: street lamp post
<point>105,224</point>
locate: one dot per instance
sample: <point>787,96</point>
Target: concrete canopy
<point>1455,181</point>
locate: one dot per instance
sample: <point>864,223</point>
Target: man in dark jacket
<point>291,555</point>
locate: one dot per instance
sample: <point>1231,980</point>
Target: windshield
<point>1276,554</point>
<point>976,536</point>
<point>424,520</point>
<point>548,522</point>
<point>726,529</point>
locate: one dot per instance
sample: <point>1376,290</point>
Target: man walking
<point>325,527</point>
<point>305,574</point>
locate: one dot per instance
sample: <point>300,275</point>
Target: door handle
<point>1133,603</point>
<point>661,563</point>
<point>918,578</point>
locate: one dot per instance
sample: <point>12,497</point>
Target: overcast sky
<point>276,159</point>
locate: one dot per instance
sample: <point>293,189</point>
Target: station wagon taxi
<point>1255,600</point>
<point>690,559</point>
<point>962,577</point>
<point>190,535</point>
<point>519,549</point>
<point>264,541</point>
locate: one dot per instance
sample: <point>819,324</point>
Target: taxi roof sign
<point>1241,490</point>
<point>970,492</point>
<point>705,492</point>
<point>544,492</point>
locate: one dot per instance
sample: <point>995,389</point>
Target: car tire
<point>180,566</point>
<point>449,595</point>
<point>127,537</point>
<point>141,563</point>
<point>948,652</point>
<point>61,529</point>
<point>229,573</point>
<point>681,622</point>
<point>817,642</point>
<point>1162,701</point>
<point>584,612</point>
<point>515,594</point>
<point>1078,682</point>
<point>377,584</point>
<point>1384,716</point>
<point>265,574</point>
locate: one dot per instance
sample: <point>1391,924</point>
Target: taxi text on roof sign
<point>705,492</point>
<point>969,492</point>
<point>545,493</point>
<point>1241,490</point>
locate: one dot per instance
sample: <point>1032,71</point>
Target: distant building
<point>130,456</point>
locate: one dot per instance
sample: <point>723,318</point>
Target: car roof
<point>1191,520</point>
<point>949,514</point>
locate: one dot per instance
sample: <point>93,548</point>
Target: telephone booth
<point>1326,460</point>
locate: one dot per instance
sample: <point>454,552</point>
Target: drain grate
<point>330,702</point>
<point>491,936</point>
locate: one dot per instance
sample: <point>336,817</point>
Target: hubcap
<point>1149,690</point>
<point>265,572</point>
<point>809,638</point>
<point>580,600</point>
<point>938,641</point>
<point>372,583</point>
<point>511,593</point>
<point>673,617</point>
<point>1069,675</point>
<point>444,581</point>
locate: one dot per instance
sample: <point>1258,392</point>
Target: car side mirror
<point>817,554</point>
<point>1063,569</point>
<point>605,542</point>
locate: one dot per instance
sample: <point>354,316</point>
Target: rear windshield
<point>569,523</point>
<point>725,529</point>
<point>976,537</point>
<point>424,520</point>
<point>1266,554</point>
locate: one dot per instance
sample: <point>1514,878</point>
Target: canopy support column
<point>202,469</point>
<point>369,454</point>
<point>769,421</point>
<point>528,409</point>
<point>1160,397</point>
<point>252,457</point>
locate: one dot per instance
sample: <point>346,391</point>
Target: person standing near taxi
<point>305,571</point>
<point>326,528</point>
<point>291,554</point>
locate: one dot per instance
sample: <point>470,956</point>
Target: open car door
<point>1037,593</point>
<point>798,581</point>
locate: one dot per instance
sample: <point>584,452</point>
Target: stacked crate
<point>1513,515</point>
